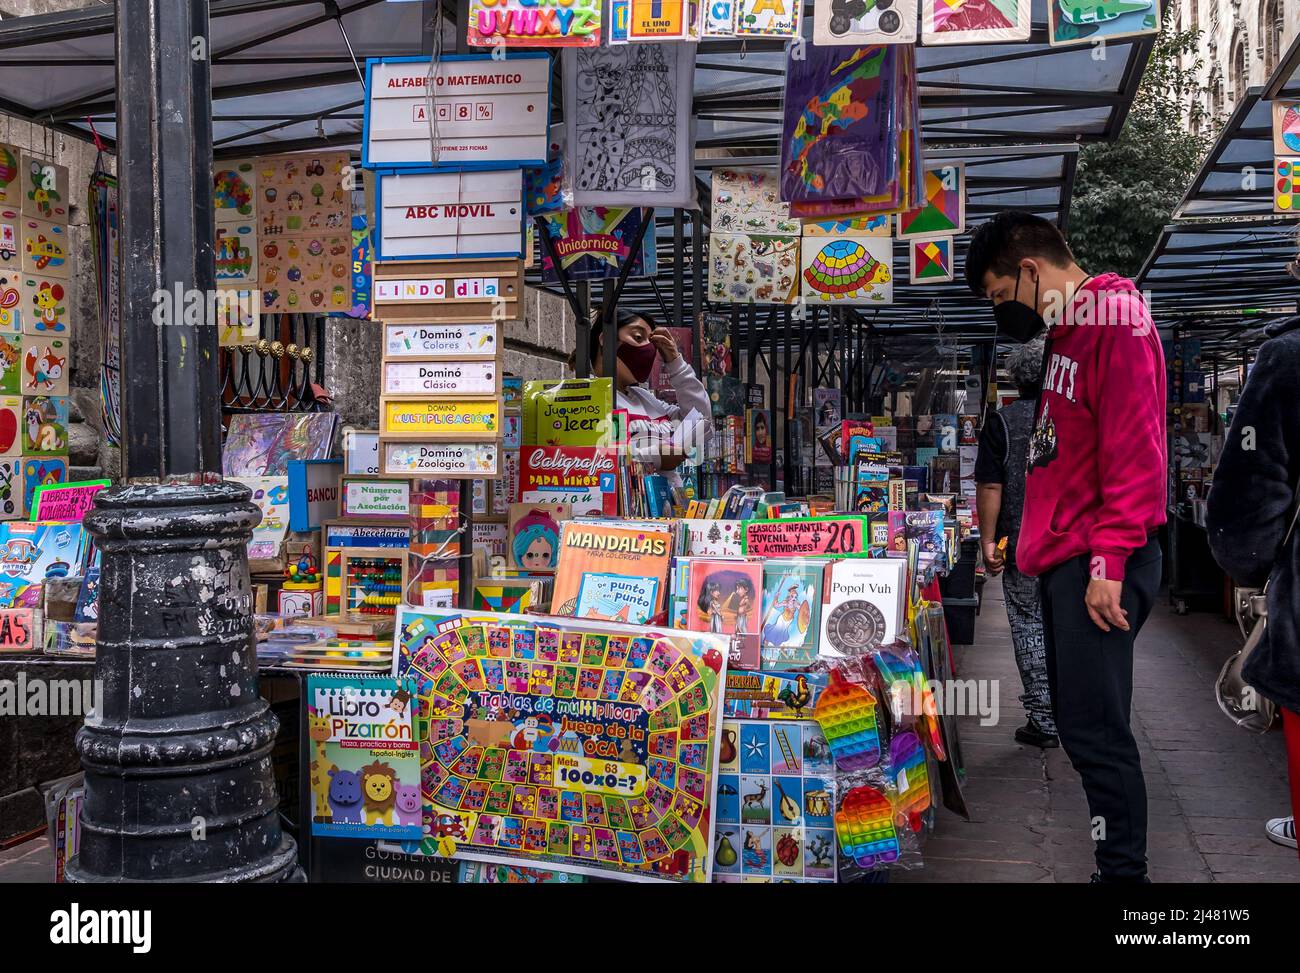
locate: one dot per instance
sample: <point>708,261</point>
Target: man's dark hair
<point>1008,238</point>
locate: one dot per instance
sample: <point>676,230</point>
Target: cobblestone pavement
<point>1210,786</point>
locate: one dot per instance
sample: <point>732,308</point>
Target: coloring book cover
<point>618,598</point>
<point>607,549</point>
<point>32,552</point>
<point>792,594</point>
<point>775,805</point>
<point>588,747</point>
<point>365,761</point>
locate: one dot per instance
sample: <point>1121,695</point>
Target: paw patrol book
<point>365,762</point>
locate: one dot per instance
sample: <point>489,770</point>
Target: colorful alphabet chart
<point>775,803</point>
<point>580,746</point>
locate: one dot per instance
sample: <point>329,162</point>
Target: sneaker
<point>1282,831</point>
<point>1032,736</point>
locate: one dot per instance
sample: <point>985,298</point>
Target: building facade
<point>1241,43</point>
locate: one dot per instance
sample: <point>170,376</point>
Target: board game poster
<point>558,743</point>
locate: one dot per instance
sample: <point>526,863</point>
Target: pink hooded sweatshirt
<point>1096,476</point>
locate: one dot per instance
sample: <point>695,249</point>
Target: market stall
<point>522,628</point>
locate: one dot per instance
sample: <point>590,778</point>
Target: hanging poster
<point>850,270</point>
<point>429,215</point>
<point>977,21</point>
<point>575,745</point>
<point>44,247</point>
<point>944,209</point>
<point>1286,126</point>
<point>828,152</point>
<point>44,190</point>
<point>594,242</point>
<point>45,366</point>
<point>659,20</point>
<point>486,110</point>
<point>931,260</point>
<point>46,310</point>
<point>549,23</point>
<point>746,269</point>
<point>863,22</point>
<point>1286,185</point>
<point>234,191</point>
<point>776,818</point>
<point>304,273</point>
<point>749,201</point>
<point>768,18</point>
<point>628,120</point>
<point>868,224</point>
<point>1089,21</point>
<point>11,182</point>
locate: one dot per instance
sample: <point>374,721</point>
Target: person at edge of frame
<point>652,422</point>
<point>1094,499</point>
<point>1252,504</point>
<point>999,498</point>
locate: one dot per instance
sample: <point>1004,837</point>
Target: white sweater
<point>650,416</point>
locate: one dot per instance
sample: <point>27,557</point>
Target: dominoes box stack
<point>35,327</point>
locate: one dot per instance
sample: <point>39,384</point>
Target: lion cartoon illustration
<point>378,783</point>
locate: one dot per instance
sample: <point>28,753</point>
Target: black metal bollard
<point>178,767</point>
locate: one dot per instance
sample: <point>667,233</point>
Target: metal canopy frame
<point>1235,180</point>
<point>306,51</point>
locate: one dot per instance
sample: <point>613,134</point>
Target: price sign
<point>846,536</point>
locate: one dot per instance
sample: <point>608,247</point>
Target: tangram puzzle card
<point>931,260</point>
<point>944,209</point>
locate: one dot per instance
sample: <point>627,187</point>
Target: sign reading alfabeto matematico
<point>484,111</point>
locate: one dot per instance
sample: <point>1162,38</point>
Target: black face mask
<point>1019,322</point>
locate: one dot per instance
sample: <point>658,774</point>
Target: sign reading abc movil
<point>440,418</point>
<point>486,111</point>
<point>472,460</point>
<point>440,341</point>
<point>441,378</point>
<point>439,215</point>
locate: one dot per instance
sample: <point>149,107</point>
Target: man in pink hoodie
<point>1094,498</point>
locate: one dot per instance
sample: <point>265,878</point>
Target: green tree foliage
<point>1125,191</point>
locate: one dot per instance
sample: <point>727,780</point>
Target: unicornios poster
<point>839,140</point>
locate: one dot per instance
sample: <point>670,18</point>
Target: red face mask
<point>639,359</point>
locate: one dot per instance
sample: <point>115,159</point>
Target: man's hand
<point>663,340</point>
<point>994,560</point>
<point>1102,601</point>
